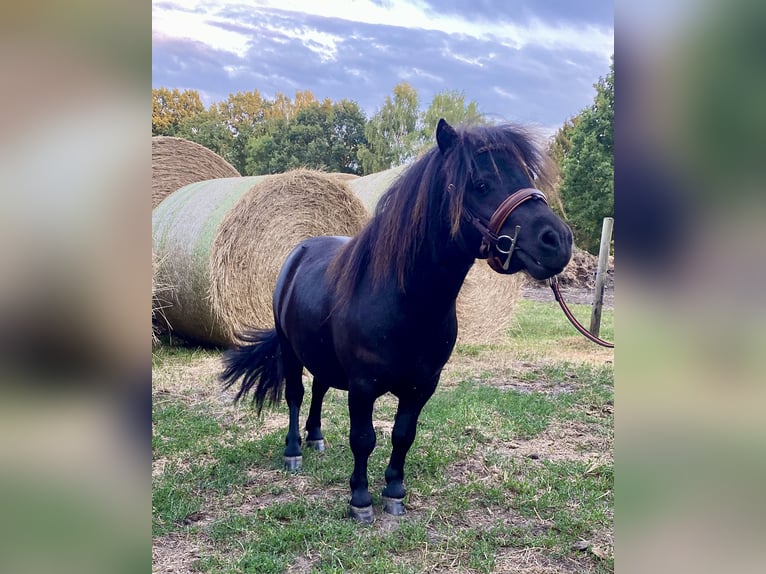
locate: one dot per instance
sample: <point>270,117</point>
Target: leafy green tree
<point>347,137</point>
<point>323,136</point>
<point>209,129</point>
<point>244,114</point>
<point>266,153</point>
<point>559,147</point>
<point>392,132</point>
<point>171,107</point>
<point>587,184</point>
<point>282,107</point>
<point>561,143</point>
<point>450,105</point>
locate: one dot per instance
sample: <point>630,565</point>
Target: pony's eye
<point>481,188</point>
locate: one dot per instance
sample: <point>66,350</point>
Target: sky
<point>528,61</point>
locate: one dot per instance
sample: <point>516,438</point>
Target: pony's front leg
<point>362,440</point>
<point>402,437</point>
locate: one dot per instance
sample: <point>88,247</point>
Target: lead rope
<point>554,283</point>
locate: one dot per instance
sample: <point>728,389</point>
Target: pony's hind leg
<point>293,371</point>
<point>314,436</point>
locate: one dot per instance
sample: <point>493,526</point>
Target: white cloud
<point>407,73</point>
<point>413,14</point>
<point>234,71</point>
<point>174,23</point>
<point>465,59</point>
<point>416,14</point>
<point>322,43</point>
<point>505,93</point>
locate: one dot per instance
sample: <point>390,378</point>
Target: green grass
<point>473,497</point>
<point>543,321</point>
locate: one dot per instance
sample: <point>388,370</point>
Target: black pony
<point>375,313</point>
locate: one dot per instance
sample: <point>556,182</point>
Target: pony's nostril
<point>549,238</point>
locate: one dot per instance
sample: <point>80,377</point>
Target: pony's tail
<point>259,362</point>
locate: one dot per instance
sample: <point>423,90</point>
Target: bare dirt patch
<point>177,553</point>
<point>536,561</point>
<point>552,388</point>
<point>577,282</point>
<point>300,565</point>
<point>563,441</point>
<point>574,294</point>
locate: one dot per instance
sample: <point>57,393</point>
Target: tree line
<point>260,135</point>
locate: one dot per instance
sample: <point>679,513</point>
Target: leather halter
<point>498,249</point>
<point>494,245</point>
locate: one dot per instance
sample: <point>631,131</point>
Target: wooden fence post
<point>601,274</point>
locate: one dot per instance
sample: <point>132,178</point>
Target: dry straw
<point>486,301</point>
<point>178,162</point>
<point>224,241</point>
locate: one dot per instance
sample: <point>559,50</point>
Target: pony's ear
<point>445,136</point>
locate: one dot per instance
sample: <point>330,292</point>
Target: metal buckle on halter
<point>508,252</point>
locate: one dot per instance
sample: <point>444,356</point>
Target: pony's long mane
<point>409,215</point>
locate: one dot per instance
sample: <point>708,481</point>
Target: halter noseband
<point>493,246</point>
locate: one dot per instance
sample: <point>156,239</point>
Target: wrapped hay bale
<point>344,176</point>
<point>223,242</point>
<point>370,187</point>
<point>486,301</point>
<point>177,162</point>
<point>159,302</point>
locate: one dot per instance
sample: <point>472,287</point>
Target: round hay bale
<point>485,305</point>
<point>486,301</point>
<point>177,162</point>
<point>225,240</point>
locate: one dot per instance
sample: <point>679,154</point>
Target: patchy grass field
<point>511,471</point>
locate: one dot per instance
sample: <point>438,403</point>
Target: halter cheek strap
<point>498,249</point>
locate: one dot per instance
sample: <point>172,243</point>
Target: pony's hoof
<point>293,463</point>
<point>317,445</point>
<point>393,506</point>
<point>363,515</point>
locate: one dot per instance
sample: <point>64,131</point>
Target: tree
<point>451,106</point>
<point>244,114</point>
<point>265,153</point>
<point>587,184</point>
<point>171,107</point>
<point>392,132</point>
<point>210,130</point>
<point>560,145</point>
<point>347,137</point>
<point>323,136</point>
<point>284,108</point>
